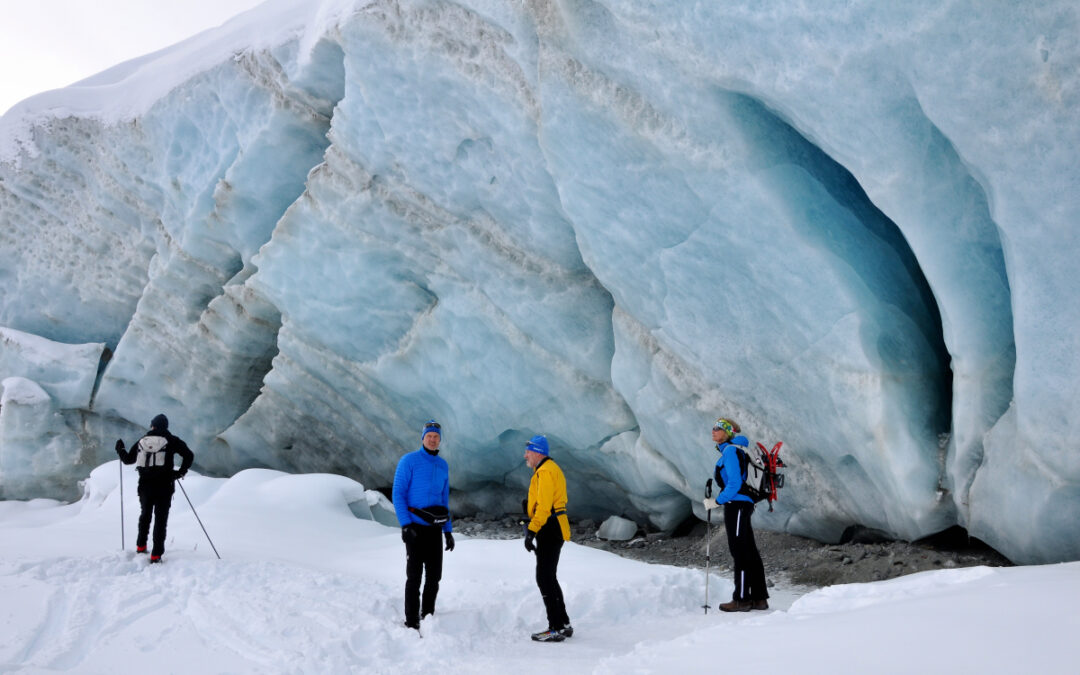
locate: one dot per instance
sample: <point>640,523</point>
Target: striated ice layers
<point>850,227</point>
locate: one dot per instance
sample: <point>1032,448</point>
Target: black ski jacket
<point>174,446</point>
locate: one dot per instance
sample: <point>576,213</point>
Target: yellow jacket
<point>547,496</point>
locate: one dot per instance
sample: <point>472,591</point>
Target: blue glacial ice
<point>851,227</point>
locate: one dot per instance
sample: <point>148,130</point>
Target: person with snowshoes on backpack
<point>421,497</point>
<point>547,529</point>
<point>153,456</point>
<point>751,591</point>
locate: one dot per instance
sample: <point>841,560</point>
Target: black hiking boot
<point>549,635</point>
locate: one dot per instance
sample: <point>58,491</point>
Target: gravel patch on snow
<point>795,560</point>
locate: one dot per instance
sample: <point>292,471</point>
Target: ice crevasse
<point>851,227</point>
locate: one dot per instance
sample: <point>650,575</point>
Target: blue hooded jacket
<point>727,467</point>
<point>421,480</point>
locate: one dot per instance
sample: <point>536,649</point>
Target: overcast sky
<point>47,44</point>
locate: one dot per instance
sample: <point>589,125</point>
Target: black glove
<point>408,534</point>
<point>179,474</point>
<point>119,446</point>
<point>529,537</point>
<point>449,536</point>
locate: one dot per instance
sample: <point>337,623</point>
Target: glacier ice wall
<point>45,391</point>
<point>849,226</point>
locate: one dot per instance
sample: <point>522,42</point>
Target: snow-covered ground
<point>303,586</point>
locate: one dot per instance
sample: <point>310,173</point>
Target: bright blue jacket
<point>421,480</point>
<point>727,467</point>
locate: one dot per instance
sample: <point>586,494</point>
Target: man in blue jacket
<point>751,591</point>
<point>422,504</point>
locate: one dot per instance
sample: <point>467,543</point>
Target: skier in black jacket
<point>153,456</point>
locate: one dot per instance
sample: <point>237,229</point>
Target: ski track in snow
<point>271,616</point>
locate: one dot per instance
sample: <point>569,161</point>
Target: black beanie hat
<point>161,423</point>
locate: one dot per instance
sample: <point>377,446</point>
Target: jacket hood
<point>739,440</point>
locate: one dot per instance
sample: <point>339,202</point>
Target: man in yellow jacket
<point>547,530</point>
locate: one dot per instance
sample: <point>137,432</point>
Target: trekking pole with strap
<point>121,504</point>
<point>198,519</point>
<point>708,540</point>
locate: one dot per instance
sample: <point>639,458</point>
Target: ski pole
<point>708,540</point>
<point>121,464</point>
<point>198,519</point>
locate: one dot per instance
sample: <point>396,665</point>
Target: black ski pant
<point>749,570</point>
<point>423,560</point>
<point>549,543</point>
<point>155,498</point>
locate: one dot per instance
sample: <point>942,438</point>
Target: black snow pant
<point>423,559</point>
<point>749,570</point>
<point>155,498</point>
<point>549,543</point>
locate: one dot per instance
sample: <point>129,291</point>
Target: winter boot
<point>155,559</point>
<point>736,606</point>
<point>759,604</point>
<point>567,631</point>
<point>140,549</point>
<point>549,635</point>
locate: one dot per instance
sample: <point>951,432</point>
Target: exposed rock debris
<point>792,559</point>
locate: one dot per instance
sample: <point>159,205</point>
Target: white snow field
<point>303,586</point>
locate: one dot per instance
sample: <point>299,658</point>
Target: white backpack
<point>755,485</point>
<point>151,451</point>
<point>762,476</point>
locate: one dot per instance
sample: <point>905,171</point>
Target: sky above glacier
<point>49,44</point>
